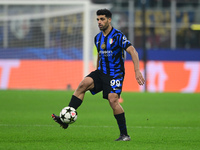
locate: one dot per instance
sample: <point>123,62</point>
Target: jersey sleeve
<point>96,43</point>
<point>124,43</point>
<point>95,39</point>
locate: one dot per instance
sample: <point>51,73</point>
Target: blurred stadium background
<point>49,44</point>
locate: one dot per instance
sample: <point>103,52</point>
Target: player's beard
<point>105,27</point>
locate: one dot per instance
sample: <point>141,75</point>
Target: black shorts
<point>107,84</point>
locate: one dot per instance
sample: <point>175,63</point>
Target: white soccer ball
<point>68,115</point>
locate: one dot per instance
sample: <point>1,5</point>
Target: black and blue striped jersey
<point>111,51</point>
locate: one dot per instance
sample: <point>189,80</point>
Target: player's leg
<point>119,116</point>
<point>92,82</point>
<point>114,103</point>
<point>77,98</point>
<point>112,90</point>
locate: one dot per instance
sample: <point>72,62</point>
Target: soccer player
<point>109,75</point>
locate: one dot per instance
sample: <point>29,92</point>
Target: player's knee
<point>113,98</point>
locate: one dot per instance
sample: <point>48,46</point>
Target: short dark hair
<point>105,12</point>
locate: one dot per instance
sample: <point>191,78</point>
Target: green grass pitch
<point>155,121</point>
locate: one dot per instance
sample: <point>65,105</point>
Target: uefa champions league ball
<point>68,115</point>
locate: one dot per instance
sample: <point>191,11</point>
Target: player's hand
<point>139,77</point>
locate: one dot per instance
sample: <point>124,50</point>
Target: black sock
<point>75,102</point>
<point>121,121</point>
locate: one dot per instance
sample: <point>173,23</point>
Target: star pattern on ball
<point>68,110</point>
<point>62,117</point>
<point>71,119</point>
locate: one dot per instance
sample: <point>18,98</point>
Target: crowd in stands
<point>66,31</point>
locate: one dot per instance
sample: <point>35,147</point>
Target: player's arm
<point>134,55</point>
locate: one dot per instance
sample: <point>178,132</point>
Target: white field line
<point>88,126</point>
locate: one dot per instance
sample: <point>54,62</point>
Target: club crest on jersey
<point>103,46</point>
<point>110,41</point>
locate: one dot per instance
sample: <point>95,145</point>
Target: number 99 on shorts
<point>114,82</point>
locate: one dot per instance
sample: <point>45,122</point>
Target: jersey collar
<point>108,33</point>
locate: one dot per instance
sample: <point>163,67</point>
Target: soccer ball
<point>68,115</point>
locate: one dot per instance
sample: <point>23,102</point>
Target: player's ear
<point>109,20</point>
